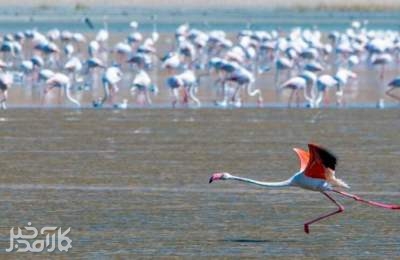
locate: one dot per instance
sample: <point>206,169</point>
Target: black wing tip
<point>328,158</point>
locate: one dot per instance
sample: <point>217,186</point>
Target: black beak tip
<point>211,180</point>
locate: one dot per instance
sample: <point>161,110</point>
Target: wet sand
<point>134,183</point>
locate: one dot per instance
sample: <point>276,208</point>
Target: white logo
<point>29,243</point>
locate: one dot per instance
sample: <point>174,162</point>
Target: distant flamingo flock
<point>308,68</point>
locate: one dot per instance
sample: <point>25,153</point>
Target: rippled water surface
<point>134,183</point>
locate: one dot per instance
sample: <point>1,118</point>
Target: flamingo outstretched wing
<point>304,157</point>
<point>320,160</point>
<point>316,161</point>
<point>321,165</point>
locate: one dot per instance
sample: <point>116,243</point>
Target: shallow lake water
<point>228,18</point>
<point>134,183</point>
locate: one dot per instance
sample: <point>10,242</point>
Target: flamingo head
<point>219,176</point>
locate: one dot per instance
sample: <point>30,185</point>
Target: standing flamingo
<point>141,86</point>
<point>317,173</point>
<point>323,83</point>
<point>295,84</point>
<point>281,64</point>
<point>62,81</point>
<point>342,76</point>
<point>381,60</point>
<point>187,82</point>
<point>6,80</point>
<point>110,79</point>
<point>73,66</point>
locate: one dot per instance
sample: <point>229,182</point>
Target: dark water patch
<point>256,241</point>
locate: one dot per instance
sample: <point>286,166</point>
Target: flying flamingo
<point>317,173</point>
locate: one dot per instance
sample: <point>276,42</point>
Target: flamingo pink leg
<point>369,202</point>
<point>339,210</point>
<point>185,99</point>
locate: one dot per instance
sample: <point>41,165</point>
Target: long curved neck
<point>306,96</point>
<point>263,184</point>
<point>106,92</point>
<point>68,94</point>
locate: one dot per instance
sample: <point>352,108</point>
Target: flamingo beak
<point>215,177</point>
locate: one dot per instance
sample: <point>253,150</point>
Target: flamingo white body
<point>102,35</point>
<point>78,38</point>
<point>27,68</point>
<point>110,79</point>
<point>93,48</point>
<point>66,35</point>
<point>62,81</point>
<point>187,50</point>
<point>45,74</point>
<point>171,63</point>
<point>53,35</point>
<point>295,84</point>
<point>243,79</point>
<point>187,83</point>
<point>142,83</point>
<point>123,48</point>
<point>69,50</point>
<point>112,75</point>
<point>282,63</point>
<point>6,80</point>
<point>324,82</point>
<point>3,65</point>
<point>147,46</point>
<point>381,59</point>
<point>102,38</point>
<point>342,77</point>
<point>317,173</point>
<point>73,65</point>
<point>94,63</point>
<point>122,51</point>
<point>189,80</point>
<point>142,79</point>
<point>135,38</point>
<point>314,66</point>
